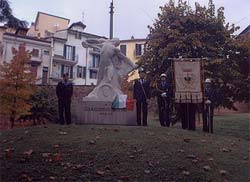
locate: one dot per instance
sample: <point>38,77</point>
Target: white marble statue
<point>114,66</point>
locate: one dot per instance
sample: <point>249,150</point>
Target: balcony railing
<point>60,58</point>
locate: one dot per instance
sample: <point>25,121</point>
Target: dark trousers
<point>188,115</point>
<point>208,114</point>
<point>164,111</point>
<point>142,109</point>
<point>64,107</point>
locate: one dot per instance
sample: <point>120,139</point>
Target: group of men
<point>142,93</point>
<point>165,94</point>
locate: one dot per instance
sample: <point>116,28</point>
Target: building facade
<point>69,56</point>
<point>46,25</point>
<point>133,49</point>
<point>39,49</point>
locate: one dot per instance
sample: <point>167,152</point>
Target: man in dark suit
<point>64,92</point>
<point>142,95</point>
<point>208,112</point>
<point>164,92</point>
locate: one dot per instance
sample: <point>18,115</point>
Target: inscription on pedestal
<point>101,112</point>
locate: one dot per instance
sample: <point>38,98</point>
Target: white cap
<point>163,75</point>
<point>208,80</point>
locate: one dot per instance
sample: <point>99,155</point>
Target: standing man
<point>187,112</point>
<point>208,112</point>
<point>64,92</point>
<point>142,95</point>
<point>164,91</point>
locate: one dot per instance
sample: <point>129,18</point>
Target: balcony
<point>35,60</point>
<point>59,58</point>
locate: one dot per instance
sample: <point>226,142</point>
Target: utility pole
<point>111,20</point>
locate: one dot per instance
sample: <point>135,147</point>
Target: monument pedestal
<point>100,112</point>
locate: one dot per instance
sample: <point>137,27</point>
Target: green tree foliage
<point>44,104</point>
<point>7,17</point>
<point>180,31</point>
<point>16,85</point>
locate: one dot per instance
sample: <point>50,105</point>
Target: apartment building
<point>69,56</point>
<point>46,25</point>
<point>133,49</point>
<point>39,48</point>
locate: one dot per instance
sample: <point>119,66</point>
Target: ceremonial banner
<point>187,82</point>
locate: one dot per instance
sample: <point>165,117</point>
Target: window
<point>46,52</point>
<point>123,49</point>
<point>34,70</point>
<point>139,49</point>
<point>35,52</point>
<point>79,71</point>
<point>84,72</point>
<point>96,61</point>
<point>92,74</point>
<point>69,52</point>
<point>45,75</point>
<point>67,69</point>
<point>78,35</point>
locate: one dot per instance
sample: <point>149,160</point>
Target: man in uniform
<point>208,112</point>
<point>64,92</point>
<point>164,93</point>
<point>142,95</point>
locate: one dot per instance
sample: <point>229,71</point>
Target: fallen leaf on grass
<point>194,161</point>
<point>8,152</point>
<point>63,133</point>
<point>131,157</point>
<point>186,173</point>
<point>107,167</point>
<point>79,166</point>
<point>207,168</point>
<point>52,178</point>
<point>25,177</point>
<point>210,159</point>
<point>181,151</point>
<point>22,160</point>
<point>28,153</point>
<point>150,164</point>
<point>92,142</point>
<point>187,140</point>
<point>245,158</point>
<point>225,150</point>
<point>45,155</point>
<point>56,146</point>
<point>57,157</point>
<point>191,156</point>
<point>223,172</point>
<point>101,173</point>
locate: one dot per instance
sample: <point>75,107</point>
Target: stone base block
<point>100,112</point>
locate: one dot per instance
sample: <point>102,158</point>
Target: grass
<point>122,153</point>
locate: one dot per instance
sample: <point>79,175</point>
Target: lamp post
<point>111,20</point>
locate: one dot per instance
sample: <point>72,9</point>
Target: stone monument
<point>96,108</point>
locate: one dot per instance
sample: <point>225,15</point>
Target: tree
<point>16,85</point>
<point>7,17</point>
<point>180,31</point>
<point>44,104</point>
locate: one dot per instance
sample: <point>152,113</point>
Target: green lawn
<point>120,153</point>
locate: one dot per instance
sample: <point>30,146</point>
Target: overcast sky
<point>131,16</point>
